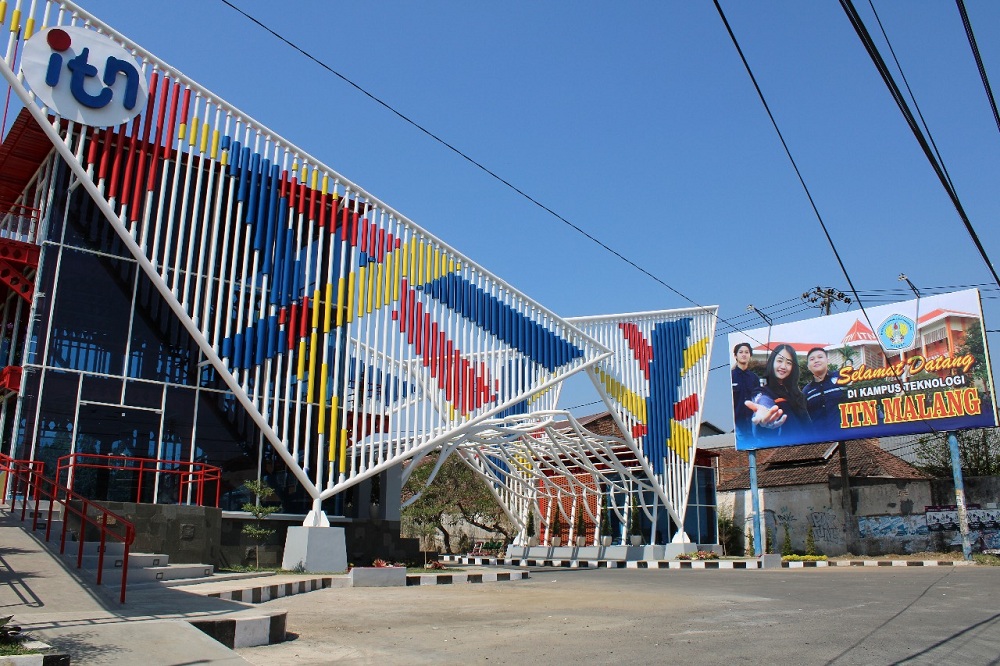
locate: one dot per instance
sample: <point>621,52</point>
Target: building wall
<point>890,515</point>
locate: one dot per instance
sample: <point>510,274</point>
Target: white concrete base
<point>672,550</point>
<point>378,577</point>
<point>315,550</point>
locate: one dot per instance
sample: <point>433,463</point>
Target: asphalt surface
<point>886,615</point>
<point>870,615</point>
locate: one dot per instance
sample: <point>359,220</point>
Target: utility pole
<point>825,298</point>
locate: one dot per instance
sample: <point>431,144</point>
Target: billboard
<point>914,367</point>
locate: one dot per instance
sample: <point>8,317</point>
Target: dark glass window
<point>161,349</point>
<point>92,312</point>
<point>55,421</point>
<point>226,437</point>
<point>29,402</point>
<point>125,434</point>
<point>144,394</point>
<point>101,389</point>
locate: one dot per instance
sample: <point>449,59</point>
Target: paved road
<point>946,615</point>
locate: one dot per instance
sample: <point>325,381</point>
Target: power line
<point>979,60</point>
<point>791,159</point>
<point>937,165</point>
<point>471,160</point>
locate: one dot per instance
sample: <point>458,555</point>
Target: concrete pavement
<point>47,599</point>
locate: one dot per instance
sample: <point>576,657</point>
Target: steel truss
<point>354,339</point>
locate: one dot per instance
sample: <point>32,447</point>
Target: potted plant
<point>635,524</point>
<point>529,528</point>
<point>555,527</point>
<point>606,537</point>
<point>580,529</point>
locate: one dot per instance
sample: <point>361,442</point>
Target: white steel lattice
<point>353,338</point>
<point>654,385</point>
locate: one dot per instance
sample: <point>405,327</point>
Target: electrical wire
<point>795,167</point>
<point>979,60</point>
<point>479,165</point>
<point>872,50</point>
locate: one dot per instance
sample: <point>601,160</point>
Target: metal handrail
<point>196,474</point>
<point>36,487</point>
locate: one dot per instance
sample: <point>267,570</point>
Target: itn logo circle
<point>897,333</point>
<point>84,76</point>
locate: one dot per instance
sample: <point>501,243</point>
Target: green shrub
<point>986,559</point>
<point>803,558</point>
<point>810,541</point>
<point>786,547</point>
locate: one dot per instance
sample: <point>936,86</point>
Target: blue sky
<point>637,122</point>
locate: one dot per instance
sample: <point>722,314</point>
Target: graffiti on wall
<point>825,525</point>
<point>881,527</point>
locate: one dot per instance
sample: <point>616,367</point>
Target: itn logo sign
<point>84,76</point>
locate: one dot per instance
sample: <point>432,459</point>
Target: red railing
<point>192,475</point>
<point>31,486</point>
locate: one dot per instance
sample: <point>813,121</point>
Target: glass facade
<point>109,370</point>
<point>700,521</point>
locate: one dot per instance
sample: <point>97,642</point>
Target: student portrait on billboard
<point>823,396</point>
<point>779,407</point>
<point>746,384</point>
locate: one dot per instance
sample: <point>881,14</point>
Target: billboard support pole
<point>847,500</point>
<point>963,516</point>
<point>758,546</point>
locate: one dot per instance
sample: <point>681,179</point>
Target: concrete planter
<point>378,577</point>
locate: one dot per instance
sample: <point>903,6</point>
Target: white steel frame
<point>354,339</point>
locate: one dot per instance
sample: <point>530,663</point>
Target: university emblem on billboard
<point>84,76</point>
<point>897,332</point>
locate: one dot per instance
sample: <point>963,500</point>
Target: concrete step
<point>42,509</point>
<point>168,573</point>
<point>135,560</point>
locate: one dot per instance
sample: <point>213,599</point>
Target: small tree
<point>769,541</point>
<point>580,530</point>
<point>529,528</point>
<point>730,536</point>
<point>750,542</point>
<point>786,547</point>
<point>606,522</point>
<point>810,541</point>
<point>555,527</point>
<point>256,532</point>
<point>635,521</point>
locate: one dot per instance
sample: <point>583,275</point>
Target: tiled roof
<point>859,333</point>
<point>805,464</point>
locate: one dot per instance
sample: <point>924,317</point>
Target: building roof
<point>940,313</point>
<point>858,334</point>
<point>812,463</point>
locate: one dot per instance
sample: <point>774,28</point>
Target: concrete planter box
<point>378,577</point>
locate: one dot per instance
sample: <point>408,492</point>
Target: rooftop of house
<point>812,463</point>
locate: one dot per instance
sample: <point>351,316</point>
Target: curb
<point>261,593</point>
<point>459,578</point>
<point>690,564</point>
<point>38,659</point>
<point>242,632</point>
